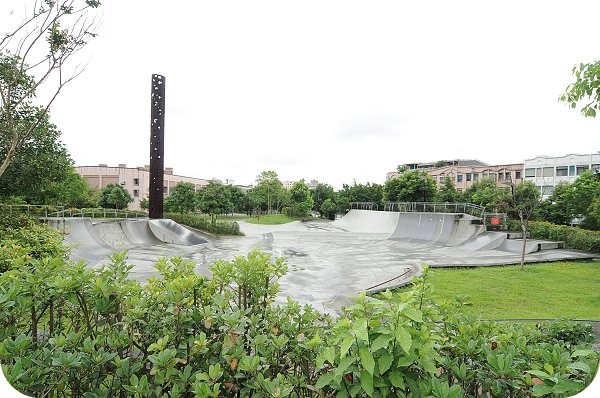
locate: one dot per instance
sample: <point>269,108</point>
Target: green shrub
<point>573,237</point>
<point>198,222</point>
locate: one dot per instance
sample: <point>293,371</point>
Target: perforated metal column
<point>157,150</point>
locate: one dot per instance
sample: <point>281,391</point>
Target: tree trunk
<point>524,229</point>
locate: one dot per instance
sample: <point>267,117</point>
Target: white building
<point>546,171</point>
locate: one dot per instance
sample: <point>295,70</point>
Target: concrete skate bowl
<point>329,263</point>
<point>93,241</point>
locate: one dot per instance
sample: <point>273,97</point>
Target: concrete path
<point>329,262</point>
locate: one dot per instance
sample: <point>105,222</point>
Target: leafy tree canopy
<point>214,200</point>
<point>586,89</point>
<point>114,196</point>
<point>301,201</point>
<point>412,186</point>
<point>182,198</point>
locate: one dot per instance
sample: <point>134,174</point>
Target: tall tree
<point>272,187</point>
<point>524,199</point>
<point>320,194</point>
<point>586,86</point>
<point>114,196</point>
<point>412,186</point>
<point>214,200</point>
<point>236,196</point>
<point>301,201</point>
<point>557,209</point>
<point>41,164</point>
<point>448,191</point>
<point>40,45</point>
<point>182,198</point>
<point>488,194</point>
<point>585,190</point>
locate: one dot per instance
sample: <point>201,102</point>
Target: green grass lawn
<point>544,290</point>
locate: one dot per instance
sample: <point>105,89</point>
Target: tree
<point>268,182</point>
<point>114,196</point>
<point>320,194</point>
<point>557,209</point>
<point>42,163</point>
<point>236,196</point>
<point>447,192</point>
<point>524,199</point>
<point>43,42</point>
<point>584,191</point>
<point>301,201</point>
<point>214,200</point>
<point>486,193</point>
<point>252,202</point>
<point>412,186</point>
<point>182,198</point>
<point>587,85</point>
<point>73,191</point>
<point>328,208</point>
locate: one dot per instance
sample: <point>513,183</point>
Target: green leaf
<point>346,344</point>
<point>329,354</point>
<point>385,362</point>
<point>539,390</point>
<point>413,314</point>
<point>381,342</point>
<point>366,382</point>
<point>324,380</point>
<point>366,359</point>
<point>403,338</point>
<point>396,379</point>
<point>428,365</point>
<point>567,386</point>
<point>580,366</point>
<point>360,329</point>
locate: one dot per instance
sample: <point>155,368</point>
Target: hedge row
<point>198,222</point>
<point>573,237</point>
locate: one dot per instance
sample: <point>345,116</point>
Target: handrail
<point>427,207</point>
<point>47,211</point>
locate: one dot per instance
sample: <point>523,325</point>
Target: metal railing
<point>364,206</point>
<point>47,211</point>
<point>435,207</point>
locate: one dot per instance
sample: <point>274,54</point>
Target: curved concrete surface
<point>329,262</point>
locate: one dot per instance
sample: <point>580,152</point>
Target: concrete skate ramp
<point>434,228</point>
<point>85,242</point>
<point>516,246</point>
<point>139,233</point>
<point>368,221</point>
<point>169,231</point>
<point>484,241</point>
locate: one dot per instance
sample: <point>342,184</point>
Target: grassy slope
<point>546,290</point>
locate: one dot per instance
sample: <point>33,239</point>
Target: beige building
<point>136,180</point>
<point>465,172</point>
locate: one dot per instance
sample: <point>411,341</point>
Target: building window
<point>548,172</point>
<point>165,190</point>
<point>581,169</point>
<point>136,181</point>
<point>517,175</point>
<point>136,193</point>
<point>493,176</point>
<point>459,178</point>
<point>475,176</point>
<point>508,176</point>
<point>500,176</point>
<point>547,189</point>
<point>469,177</point>
<point>562,171</point>
<point>571,170</point>
<point>529,172</point>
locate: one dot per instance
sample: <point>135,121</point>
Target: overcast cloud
<point>329,90</point>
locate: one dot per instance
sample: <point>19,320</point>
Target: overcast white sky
<point>329,90</point>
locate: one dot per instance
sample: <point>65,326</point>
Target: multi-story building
<point>547,171</point>
<point>136,180</point>
<point>465,172</point>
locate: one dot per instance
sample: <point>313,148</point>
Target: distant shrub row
<point>574,237</point>
<point>198,222</point>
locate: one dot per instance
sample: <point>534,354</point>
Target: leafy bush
<point>70,330</point>
<point>574,237</point>
<point>198,222</point>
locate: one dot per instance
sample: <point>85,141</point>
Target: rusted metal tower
<point>157,146</point>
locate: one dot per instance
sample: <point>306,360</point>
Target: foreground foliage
<point>70,330</point>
